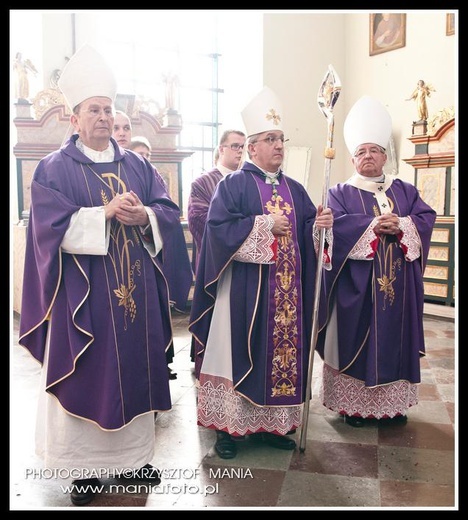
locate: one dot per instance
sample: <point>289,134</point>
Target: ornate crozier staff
<point>326,98</point>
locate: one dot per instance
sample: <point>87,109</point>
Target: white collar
<point>380,178</point>
<point>96,156</point>
<point>271,175</point>
<point>368,184</point>
<point>224,171</point>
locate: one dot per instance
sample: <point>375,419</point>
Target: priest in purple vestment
<point>252,307</point>
<point>95,309</point>
<point>374,338</point>
<point>228,156</point>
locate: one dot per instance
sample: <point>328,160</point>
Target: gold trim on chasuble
<point>285,333</point>
<point>386,265</point>
<point>119,248</point>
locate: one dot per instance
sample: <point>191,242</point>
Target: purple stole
<point>284,315</point>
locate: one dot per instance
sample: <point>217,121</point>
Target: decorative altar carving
<point>436,121</point>
<point>47,99</point>
<point>434,164</point>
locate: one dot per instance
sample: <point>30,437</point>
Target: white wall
<point>298,48</point>
<point>241,64</point>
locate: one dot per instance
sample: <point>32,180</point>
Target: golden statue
<point>21,68</point>
<point>420,93</point>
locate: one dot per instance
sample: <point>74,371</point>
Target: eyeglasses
<point>96,111</point>
<point>234,146</point>
<point>271,140</point>
<point>364,151</point>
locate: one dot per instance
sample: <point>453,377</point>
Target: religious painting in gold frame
<point>387,32</point>
<point>450,24</point>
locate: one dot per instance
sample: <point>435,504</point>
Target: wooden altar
<point>434,164</point>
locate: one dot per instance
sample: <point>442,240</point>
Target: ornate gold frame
<point>450,24</point>
<point>376,46</point>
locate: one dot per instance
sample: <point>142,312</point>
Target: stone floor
<point>412,466</point>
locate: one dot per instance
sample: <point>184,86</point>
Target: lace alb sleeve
<point>257,247</point>
<point>364,249</point>
<point>410,241</point>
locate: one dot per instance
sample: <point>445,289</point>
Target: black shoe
<point>353,420</point>
<point>147,473</point>
<point>84,490</point>
<point>172,375</point>
<point>277,441</point>
<point>398,419</point>
<point>225,447</point>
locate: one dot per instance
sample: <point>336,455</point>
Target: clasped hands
<point>128,209</point>
<point>387,224</point>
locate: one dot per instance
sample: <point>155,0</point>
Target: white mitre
<point>263,113</point>
<point>86,75</point>
<point>368,121</point>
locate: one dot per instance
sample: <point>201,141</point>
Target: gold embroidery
<point>273,115</point>
<point>119,248</point>
<point>123,269</point>
<point>125,298</point>
<point>285,278</point>
<point>386,286</point>
<point>285,332</point>
<point>274,206</point>
<point>104,198</point>
<point>387,266</point>
<point>386,282</point>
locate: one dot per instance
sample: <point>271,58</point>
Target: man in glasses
<point>374,338</point>
<point>228,155</point>
<point>252,306</point>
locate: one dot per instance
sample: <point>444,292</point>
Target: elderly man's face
<point>369,159</point>
<point>94,121</point>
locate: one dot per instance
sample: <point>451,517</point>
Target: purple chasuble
<point>201,193</point>
<point>271,304</point>
<point>379,301</point>
<point>107,316</point>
